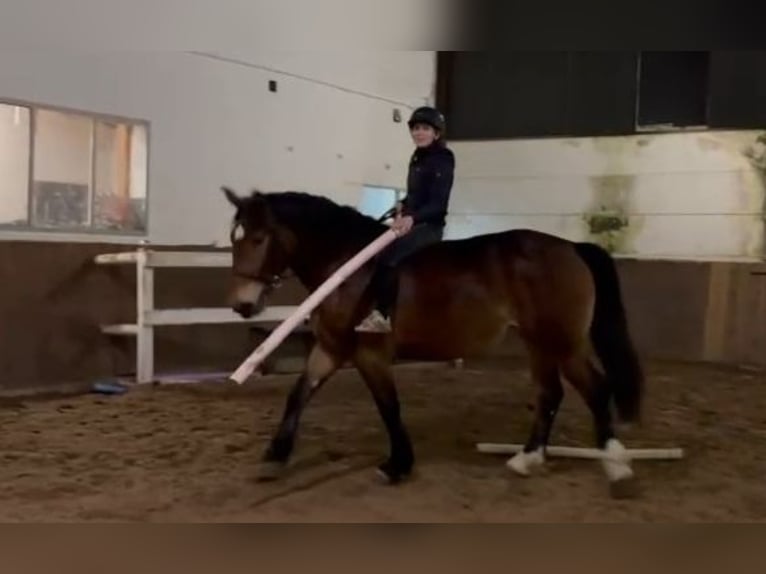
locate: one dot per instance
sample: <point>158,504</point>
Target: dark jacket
<point>429,183</point>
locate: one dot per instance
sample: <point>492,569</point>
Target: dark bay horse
<point>456,299</point>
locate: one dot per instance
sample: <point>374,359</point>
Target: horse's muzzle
<point>244,310</point>
<point>249,299</point>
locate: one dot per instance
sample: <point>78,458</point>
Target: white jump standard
<point>147,317</point>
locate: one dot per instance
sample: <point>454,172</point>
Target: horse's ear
<point>233,198</point>
<point>257,196</point>
<point>261,206</point>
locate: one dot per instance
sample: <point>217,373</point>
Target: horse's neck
<point>309,273</point>
<point>314,260</point>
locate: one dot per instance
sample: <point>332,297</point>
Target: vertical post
<point>145,333</point>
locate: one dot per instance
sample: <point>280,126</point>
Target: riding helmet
<point>428,115</point>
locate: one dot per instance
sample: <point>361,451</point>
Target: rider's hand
<point>403,224</point>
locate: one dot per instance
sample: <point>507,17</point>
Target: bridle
<point>270,282</point>
<point>274,281</point>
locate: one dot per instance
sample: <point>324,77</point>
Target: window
<point>71,172</point>
<point>377,200</point>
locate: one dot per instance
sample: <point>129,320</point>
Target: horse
<point>454,299</point>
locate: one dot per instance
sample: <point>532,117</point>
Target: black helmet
<point>428,115</point>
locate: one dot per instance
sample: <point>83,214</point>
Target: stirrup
<point>375,322</point>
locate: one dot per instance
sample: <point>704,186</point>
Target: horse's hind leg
<point>320,366</point>
<point>593,388</point>
<point>545,373</point>
<point>374,364</point>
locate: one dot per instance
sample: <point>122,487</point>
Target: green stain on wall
<point>608,221</point>
<point>608,230</point>
<point>756,153</point>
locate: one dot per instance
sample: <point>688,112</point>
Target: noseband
<point>270,282</point>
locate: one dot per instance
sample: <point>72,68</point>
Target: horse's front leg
<point>320,366</point>
<point>374,364</point>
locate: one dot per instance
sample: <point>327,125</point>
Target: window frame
<point>29,228</point>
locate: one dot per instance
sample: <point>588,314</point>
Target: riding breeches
<point>384,284</point>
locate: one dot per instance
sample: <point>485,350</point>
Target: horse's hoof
<point>389,474</point>
<point>624,488</point>
<point>526,463</point>
<point>270,470</point>
<point>518,466</point>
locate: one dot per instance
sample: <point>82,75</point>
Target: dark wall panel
<point>738,89</point>
<point>492,95</point>
<point>505,95</point>
<point>673,88</point>
<point>601,93</point>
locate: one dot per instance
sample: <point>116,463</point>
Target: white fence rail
<point>147,317</point>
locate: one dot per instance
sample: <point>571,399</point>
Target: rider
<point>421,217</point>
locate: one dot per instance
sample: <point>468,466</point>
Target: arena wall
<point>330,127</point>
<point>683,195</point>
<point>683,212</point>
<point>54,298</point>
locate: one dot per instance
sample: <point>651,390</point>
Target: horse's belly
<point>471,330</point>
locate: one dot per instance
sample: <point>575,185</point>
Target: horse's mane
<point>319,216</point>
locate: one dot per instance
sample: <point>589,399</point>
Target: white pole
<point>285,328</point>
<point>587,453</point>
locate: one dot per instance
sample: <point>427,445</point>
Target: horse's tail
<point>609,333</point>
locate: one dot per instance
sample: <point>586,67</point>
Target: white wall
<point>683,195</point>
<point>214,122</point>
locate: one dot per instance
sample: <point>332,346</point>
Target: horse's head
<point>259,256</point>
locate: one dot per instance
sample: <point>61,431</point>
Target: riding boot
<point>383,286</point>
